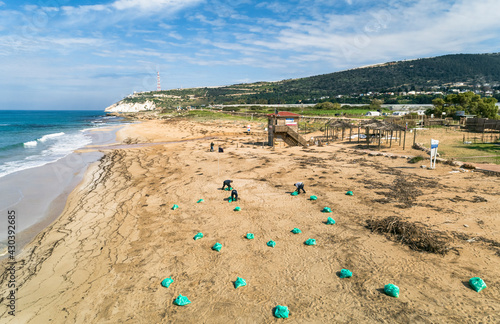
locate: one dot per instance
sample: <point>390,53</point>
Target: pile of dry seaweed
<point>416,236</point>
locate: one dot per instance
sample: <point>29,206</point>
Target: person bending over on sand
<point>234,195</point>
<point>226,183</point>
<point>299,185</point>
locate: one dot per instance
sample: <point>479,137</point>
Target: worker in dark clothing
<point>234,195</point>
<point>212,147</point>
<point>226,183</point>
<point>221,150</point>
<point>299,185</point>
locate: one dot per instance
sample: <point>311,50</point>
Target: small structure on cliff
<point>284,125</point>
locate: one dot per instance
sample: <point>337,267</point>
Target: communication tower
<point>158,86</point>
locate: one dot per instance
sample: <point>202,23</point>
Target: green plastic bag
<point>281,311</point>
<point>229,199</point>
<point>391,290</point>
<point>240,282</point>
<point>237,209</point>
<point>349,193</point>
<point>310,242</point>
<point>167,282</point>
<point>344,273</point>
<point>174,207</point>
<point>330,221</point>
<point>182,300</point>
<point>199,201</point>
<point>228,188</point>
<point>313,198</point>
<point>271,243</point>
<point>295,193</point>
<point>296,231</point>
<point>217,246</point>
<point>198,236</point>
<point>326,210</point>
<point>477,284</point>
<point>250,236</point>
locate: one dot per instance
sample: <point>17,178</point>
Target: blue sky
<point>61,54</point>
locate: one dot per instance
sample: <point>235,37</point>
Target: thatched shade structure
<point>377,128</point>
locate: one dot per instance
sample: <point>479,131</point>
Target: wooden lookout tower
<point>284,125</point>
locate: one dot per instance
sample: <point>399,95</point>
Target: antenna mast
<point>158,86</point>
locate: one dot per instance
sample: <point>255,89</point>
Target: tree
<point>327,105</point>
<point>376,104</point>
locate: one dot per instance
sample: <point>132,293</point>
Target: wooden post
<point>404,141</point>
<point>379,137</point>
<point>390,141</point>
<point>414,136</point>
<point>350,133</point>
<point>399,137</point>
<point>358,133</point>
<point>343,129</point>
<point>367,132</point>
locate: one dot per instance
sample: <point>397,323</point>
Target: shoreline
<point>103,258</point>
<point>38,195</point>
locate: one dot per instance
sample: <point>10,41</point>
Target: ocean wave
<point>50,136</point>
<point>30,144</point>
<point>62,146</point>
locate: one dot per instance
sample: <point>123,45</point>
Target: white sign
<point>434,150</point>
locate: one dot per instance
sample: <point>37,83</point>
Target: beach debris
<point>326,210</point>
<point>477,284</point>
<point>217,246</point>
<point>271,243</point>
<point>349,193</point>
<point>344,273</point>
<point>198,236</point>
<point>313,198</point>
<point>330,221</point>
<point>310,242</point>
<point>237,209</point>
<point>240,282</point>
<point>228,188</point>
<point>416,236</point>
<point>295,193</point>
<point>174,207</point>
<point>200,200</point>
<point>281,312</point>
<point>392,290</point>
<point>296,231</point>
<point>229,199</point>
<point>250,236</point>
<point>182,300</point>
<point>167,282</point>
<point>465,225</point>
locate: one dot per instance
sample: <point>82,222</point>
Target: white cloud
<point>153,5</point>
<point>2,3</point>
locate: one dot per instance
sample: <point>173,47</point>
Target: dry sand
<point>103,259</point>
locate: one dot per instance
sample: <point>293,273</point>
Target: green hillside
<point>389,82</point>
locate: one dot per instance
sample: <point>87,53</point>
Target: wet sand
<point>103,259</point>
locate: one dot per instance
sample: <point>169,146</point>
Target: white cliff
<point>131,107</point>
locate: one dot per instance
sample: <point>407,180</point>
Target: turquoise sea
<point>33,138</point>
<point>39,166</point>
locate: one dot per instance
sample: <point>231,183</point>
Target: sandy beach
<point>103,259</point>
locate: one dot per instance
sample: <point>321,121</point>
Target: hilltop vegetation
<point>416,81</point>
